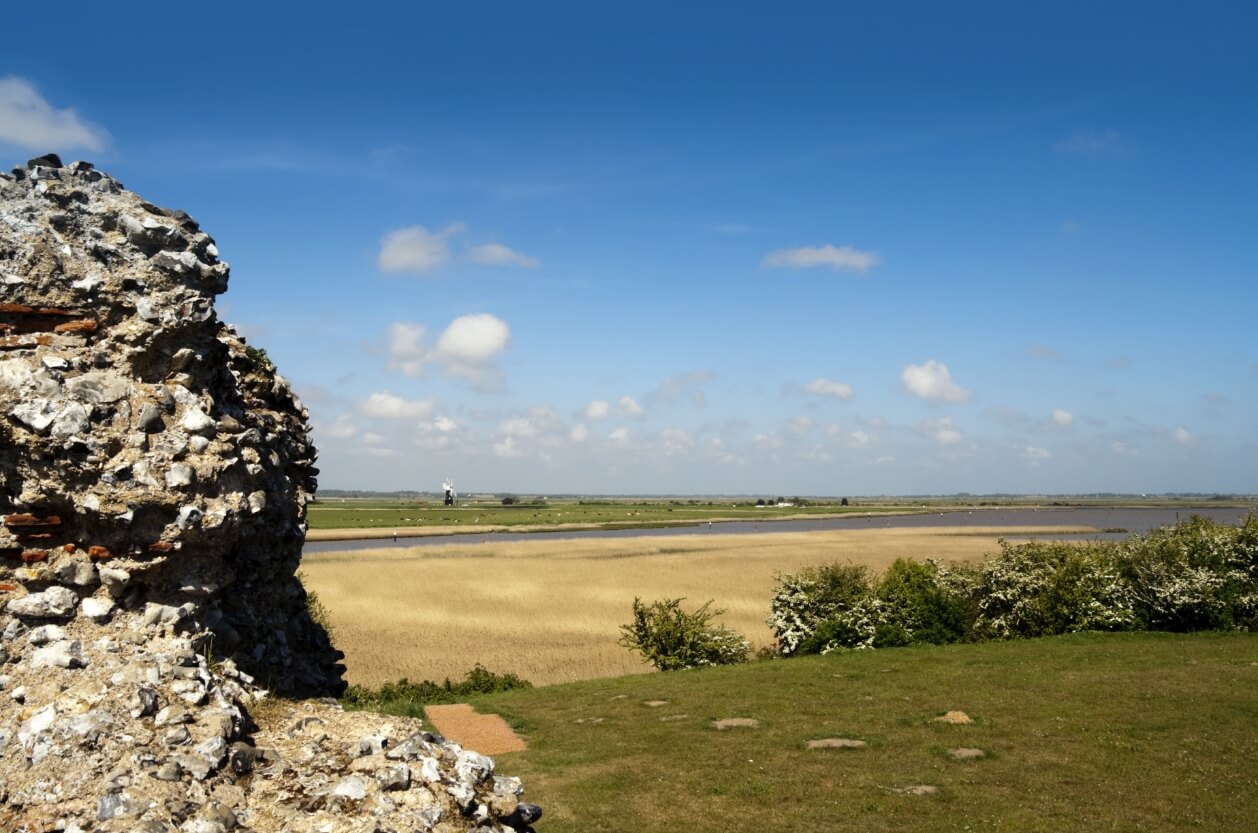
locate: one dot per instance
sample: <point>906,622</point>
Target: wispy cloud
<point>630,407</point>
<point>688,385</point>
<point>415,250</point>
<point>1043,352</point>
<point>496,254</point>
<point>839,258</point>
<point>1092,143</point>
<point>1063,419</point>
<point>933,381</point>
<point>29,121</point>
<point>385,405</point>
<point>829,387</point>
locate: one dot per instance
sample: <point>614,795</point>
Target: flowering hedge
<point>1197,575</point>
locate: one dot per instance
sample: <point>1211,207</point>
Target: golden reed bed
<point>550,611</point>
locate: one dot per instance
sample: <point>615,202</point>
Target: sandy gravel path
<point>488,734</point>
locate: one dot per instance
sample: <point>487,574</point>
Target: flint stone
<point>353,787</point>
<point>35,414</point>
<point>97,609</point>
<point>64,654</point>
<point>45,634</point>
<point>196,421</point>
<point>53,603</point>
<point>150,420</point>
<point>115,580</point>
<point>98,387</point>
<point>179,476</point>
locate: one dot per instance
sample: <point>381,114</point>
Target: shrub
<point>804,600</point>
<point>670,638</point>
<point>404,697</point>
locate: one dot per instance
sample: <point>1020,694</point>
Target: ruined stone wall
<point>154,473</point>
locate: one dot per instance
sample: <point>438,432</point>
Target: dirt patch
<point>735,723</point>
<point>488,734</point>
<point>837,743</point>
<point>956,718</point>
<point>966,753</point>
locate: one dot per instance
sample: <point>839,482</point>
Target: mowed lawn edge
<point>1124,732</point>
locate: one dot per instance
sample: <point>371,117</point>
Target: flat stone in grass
<point>669,718</point>
<point>735,723</point>
<point>590,720</point>
<point>966,753</point>
<point>954,717</point>
<point>837,743</point>
<point>918,789</point>
<point>654,704</point>
<point>619,697</point>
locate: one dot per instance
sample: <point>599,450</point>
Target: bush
<point>804,600</point>
<point>670,638</point>
<point>407,698</point>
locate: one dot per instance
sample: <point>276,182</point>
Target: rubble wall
<point>154,474</point>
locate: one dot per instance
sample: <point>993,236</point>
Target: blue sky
<point>806,248</point>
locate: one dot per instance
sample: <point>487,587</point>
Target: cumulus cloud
<point>436,434</point>
<point>630,407</point>
<point>342,429</point>
<point>1184,437</point>
<point>516,427</point>
<point>1063,419</point>
<point>944,430</point>
<point>1124,449</point>
<point>597,409</point>
<point>496,254</point>
<point>385,405</point>
<point>619,435</point>
<point>675,441</point>
<point>507,448</point>
<point>1092,143</point>
<point>466,348</point>
<point>933,381</point>
<point>29,121</point>
<point>839,258</point>
<point>859,439</point>
<point>1035,455</point>
<point>416,250</point>
<point>579,433</point>
<point>689,385</point>
<point>406,347</point>
<point>829,387</point>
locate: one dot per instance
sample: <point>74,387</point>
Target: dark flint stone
<point>522,816</point>
<point>48,160</point>
<point>19,174</point>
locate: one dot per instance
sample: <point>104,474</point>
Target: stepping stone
<point>488,734</point>
<point>735,723</point>
<point>620,697</point>
<point>956,718</point>
<point>591,720</point>
<point>668,718</point>
<point>654,704</point>
<point>919,789</point>
<point>837,743</point>
<point>966,753</point>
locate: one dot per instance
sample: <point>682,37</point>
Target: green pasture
<point>1115,732</point>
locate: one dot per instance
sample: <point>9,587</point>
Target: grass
<point>551,611</point>
<point>1126,732</point>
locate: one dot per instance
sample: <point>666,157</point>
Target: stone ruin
<point>154,474</point>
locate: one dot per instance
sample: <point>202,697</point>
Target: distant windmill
<point>448,486</point>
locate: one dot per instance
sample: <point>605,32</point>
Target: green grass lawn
<point>1126,732</point>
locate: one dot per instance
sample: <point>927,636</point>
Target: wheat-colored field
<point>550,611</point>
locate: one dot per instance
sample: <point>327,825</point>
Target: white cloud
<point>516,427</point>
<point>415,249</point>
<point>1092,143</point>
<point>1041,351</point>
<point>630,407</point>
<point>444,424</point>
<point>829,387</point>
<point>597,409</point>
<point>687,384</point>
<point>496,254</point>
<point>620,435</point>
<point>29,121</point>
<point>385,405</point>
<point>1124,449</point>
<point>859,439</point>
<point>437,434</point>
<point>838,258</point>
<point>933,381</point>
<point>800,425</point>
<point>507,448</point>
<point>579,433</point>
<point>1035,455</point>
<point>473,339</point>
<point>944,430</point>
<point>342,429</point>
<point>406,347</point>
<point>1065,419</point>
<point>1184,437</point>
<point>674,441</point>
